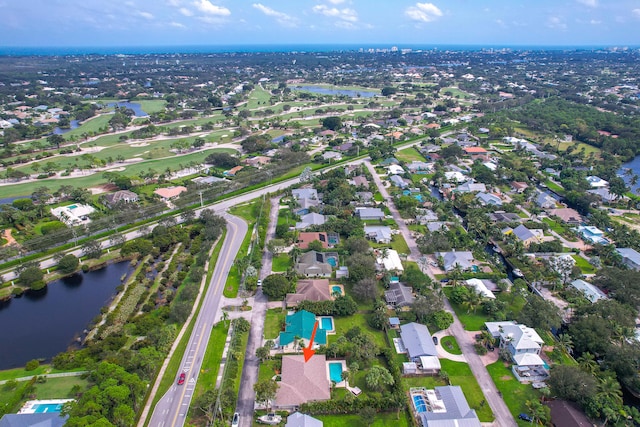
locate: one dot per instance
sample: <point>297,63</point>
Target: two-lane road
<point>171,410</point>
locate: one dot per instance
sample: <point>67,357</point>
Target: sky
<point>27,23</point>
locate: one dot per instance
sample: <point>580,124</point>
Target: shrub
<point>32,365</point>
<point>480,348</point>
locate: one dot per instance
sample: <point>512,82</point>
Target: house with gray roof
<point>369,213</point>
<point>315,263</point>
<point>305,193</point>
<point>605,195</point>
<point>418,166</point>
<point>309,220</point>
<point>528,236</point>
<point>302,420</point>
<point>544,201</point>
<point>488,199</point>
<point>464,259</point>
<point>379,233</point>
<point>446,406</point>
<point>504,217</point>
<point>51,419</point>
<point>630,257</point>
<point>398,181</point>
<point>365,197</point>
<point>399,295</point>
<point>470,187</point>
<point>426,215</point>
<point>590,292</point>
<point>437,226</point>
<point>417,340</point>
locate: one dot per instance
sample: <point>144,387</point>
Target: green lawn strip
<point>554,225</point>
<point>584,265</point>
<point>343,324</point>
<point>151,106</point>
<point>93,124</point>
<point>280,263</point>
<point>233,279</point>
<point>460,374</point>
<point>243,349</point>
<point>409,154</point>
<point>59,388</point>
<point>554,187</point>
<point>515,395</point>
<point>273,323</point>
<point>470,321</point>
<point>174,364</point>
<point>450,344</point>
<point>399,244</point>
<point>212,358</point>
<point>11,374</point>
<point>381,420</point>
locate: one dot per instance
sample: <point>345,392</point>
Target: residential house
<point>389,161</point>
<point>518,339</point>
<point>592,234</point>
<point>447,408</point>
<point>471,187</point>
<point>417,167</point>
<point>304,238</point>
<point>331,156</point>
<point>630,257</point>
<point>233,171</point>
<point>590,292</point>
<point>425,216</point>
<point>418,342</point>
<point>519,186</point>
<point>398,181</point>
<point>437,226</point>
<point>489,199</point>
<point>309,290</point>
<point>301,324</point>
<point>302,381</point>
<point>475,152</point>
<point>567,215</point>
<point>207,180</point>
<point>389,260</point>
<point>528,236</point>
<point>503,217</point>
<point>365,197</point>
<point>463,259</point>
<point>605,195</point>
<point>169,193</point>
<point>121,196</point>
<point>544,201</point>
<point>73,215</point>
<point>597,182</point>
<point>302,420</point>
<point>399,295</point>
<point>455,176</point>
<point>44,419</point>
<point>315,263</point>
<point>309,220</point>
<point>305,193</point>
<point>360,181</point>
<point>395,169</point>
<point>257,161</point>
<point>378,233</point>
<point>369,213</point>
<point>481,288</point>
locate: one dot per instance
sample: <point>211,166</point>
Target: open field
<point>515,395</point>
<point>409,154</point>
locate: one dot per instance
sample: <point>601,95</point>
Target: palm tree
<point>565,343</point>
<point>472,300</point>
<point>609,390</point>
<point>455,274</point>
<point>587,363</point>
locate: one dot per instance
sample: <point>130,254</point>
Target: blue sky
<point>366,22</point>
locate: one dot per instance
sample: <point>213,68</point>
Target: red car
<point>181,378</point>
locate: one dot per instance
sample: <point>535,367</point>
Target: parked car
<point>181,378</point>
<point>259,282</point>
<point>525,417</point>
<point>435,340</point>
<point>235,422</point>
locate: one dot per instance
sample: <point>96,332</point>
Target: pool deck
<point>341,384</point>
<point>31,405</point>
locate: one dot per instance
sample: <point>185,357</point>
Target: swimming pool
<point>546,366</point>
<point>72,207</point>
<point>419,403</point>
<point>336,290</point>
<point>40,408</point>
<point>335,372</point>
<point>326,323</point>
<point>332,261</point>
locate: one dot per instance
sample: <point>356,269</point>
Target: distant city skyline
<point>64,23</point>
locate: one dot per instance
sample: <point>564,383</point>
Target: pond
<point>73,124</point>
<point>326,91</point>
<point>137,108</point>
<point>41,324</point>
<point>634,168</point>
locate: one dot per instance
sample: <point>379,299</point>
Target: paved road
<point>499,408</point>
<point>246,395</point>
<point>172,408</point>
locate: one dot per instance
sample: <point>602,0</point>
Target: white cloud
<point>589,3</point>
<point>174,3</point>
<point>205,6</point>
<point>500,23</point>
<point>336,1</point>
<point>177,25</point>
<point>636,13</point>
<point>345,14</point>
<point>281,17</point>
<point>556,23</point>
<point>185,11</point>
<point>146,15</point>
<point>595,22</point>
<point>423,12</point>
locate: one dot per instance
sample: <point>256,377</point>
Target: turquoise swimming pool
<point>40,408</point>
<point>326,323</point>
<point>336,290</point>
<point>335,372</point>
<point>332,261</point>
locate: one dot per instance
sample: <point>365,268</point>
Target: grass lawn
<point>554,187</point>
<point>450,344</point>
<point>554,225</point>
<point>470,321</point>
<point>409,154</point>
<point>59,388</point>
<point>584,265</point>
<point>258,98</point>
<point>515,395</point>
<point>94,124</point>
<point>460,374</point>
<point>343,324</point>
<point>399,244</point>
<point>578,146</point>
<point>280,263</point>
<point>150,106</point>
<point>212,358</point>
<point>381,420</point>
<point>273,322</point>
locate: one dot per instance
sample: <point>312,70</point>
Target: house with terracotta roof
<point>169,193</point>
<point>519,186</point>
<point>302,382</point>
<point>309,290</point>
<point>233,171</point>
<point>304,238</point>
<point>567,215</point>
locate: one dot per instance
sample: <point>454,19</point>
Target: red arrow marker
<point>308,350</point>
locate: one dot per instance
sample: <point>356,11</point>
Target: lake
<point>634,165</point>
<point>325,91</point>
<point>41,324</point>
<point>61,131</point>
<point>137,108</point>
